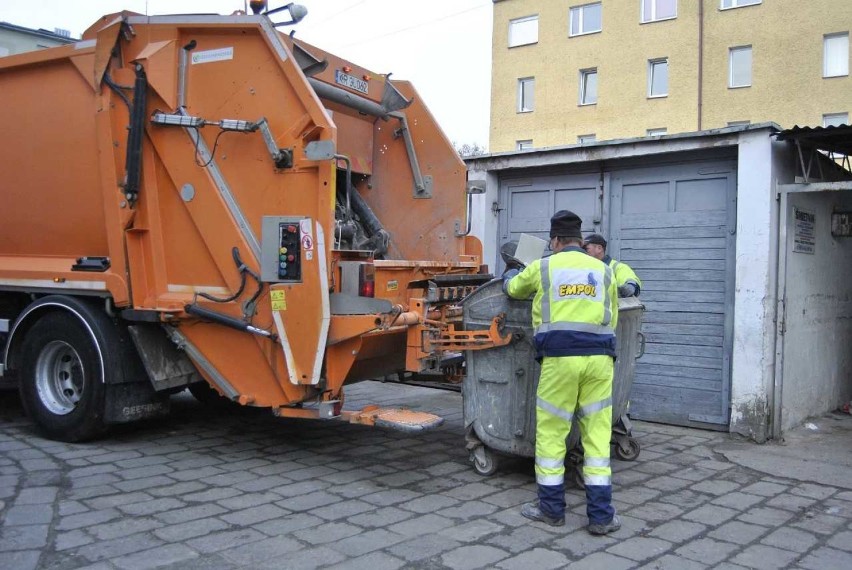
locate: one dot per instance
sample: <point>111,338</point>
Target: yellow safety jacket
<point>575,307</point>
<point>623,273</point>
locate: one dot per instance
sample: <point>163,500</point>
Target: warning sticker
<point>279,302</point>
<point>307,243</point>
<point>393,285</point>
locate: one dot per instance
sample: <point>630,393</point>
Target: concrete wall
<point>787,55</point>
<point>818,319</point>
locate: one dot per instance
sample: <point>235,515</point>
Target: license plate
<point>350,81</point>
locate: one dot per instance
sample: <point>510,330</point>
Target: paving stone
<point>602,560</point>
<point>71,539</point>
<point>766,516</point>
<point>30,465</point>
<point>667,483</point>
<point>254,515</point>
<point>472,531</point>
<point>383,517</point>
<point>790,502</point>
<point>107,501</point>
<point>738,501</point>
<point>678,530</point>
<point>822,524</point>
<point>155,558</point>
<point>305,559</point>
<point>694,474</point>
<point>423,547</point>
<point>309,501</point>
<point>715,487</point>
<point>190,529</point>
<point>538,558</point>
<point>764,557</point>
<point>342,509</point>
<point>180,489</point>
<point>580,543</point>
<point>28,515</point>
<point>429,503</point>
<point>278,547</point>
<point>656,512</point>
<point>190,513</point>
<point>219,541</point>
<point>106,549</point>
<point>423,524</point>
<point>210,495</point>
<point>684,498</point>
<point>368,541</point>
<point>710,514</point>
<point>22,559</point>
<point>842,540</point>
<point>765,489</point>
<point>672,562</point>
<point>144,483</point>
<point>813,491</point>
<point>791,539</point>
<point>248,500</point>
<point>65,508</point>
<point>329,532</point>
<point>825,557</point>
<point>36,496</point>
<point>25,537</point>
<point>467,510</point>
<point>640,548</point>
<point>123,527</point>
<point>706,550</point>
<point>87,519</point>
<point>390,497</point>
<point>738,532</point>
<point>469,557</point>
<point>288,524</point>
<point>152,506</point>
<point>372,561</point>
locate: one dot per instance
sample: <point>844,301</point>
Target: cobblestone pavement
<point>203,489</point>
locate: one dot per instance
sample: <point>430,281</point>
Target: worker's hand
<point>507,276</point>
<point>627,290</point>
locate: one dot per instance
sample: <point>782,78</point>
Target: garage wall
<point>818,313</point>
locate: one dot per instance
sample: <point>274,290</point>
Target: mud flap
<point>133,401</point>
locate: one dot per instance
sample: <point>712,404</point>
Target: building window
<point>835,55</point>
<point>740,67</point>
<point>526,94</point>
<point>738,123</point>
<point>584,139</point>
<point>656,132</point>
<point>523,31</point>
<point>835,119</point>
<point>585,19</point>
<point>738,3</point>
<point>656,10</point>
<point>524,145</point>
<point>588,86</point>
<point>658,78</point>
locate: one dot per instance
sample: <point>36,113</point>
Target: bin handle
<point>641,352</point>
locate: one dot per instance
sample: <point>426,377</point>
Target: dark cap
<point>597,239</point>
<point>565,224</point>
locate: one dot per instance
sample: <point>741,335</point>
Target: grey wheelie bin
<point>499,388</point>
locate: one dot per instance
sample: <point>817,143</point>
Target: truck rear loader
<point>203,201</point>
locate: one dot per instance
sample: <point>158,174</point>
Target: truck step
<point>401,419</point>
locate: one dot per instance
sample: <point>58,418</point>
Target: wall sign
<point>841,224</point>
<point>803,236</point>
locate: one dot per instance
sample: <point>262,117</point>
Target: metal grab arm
<point>452,340</point>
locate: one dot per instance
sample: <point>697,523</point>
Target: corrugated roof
<point>837,139</point>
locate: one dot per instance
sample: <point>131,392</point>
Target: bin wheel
<point>485,462</point>
<point>629,454</point>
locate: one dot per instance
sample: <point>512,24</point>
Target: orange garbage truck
<point>203,201</point>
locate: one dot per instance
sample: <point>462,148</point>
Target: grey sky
<point>443,47</point>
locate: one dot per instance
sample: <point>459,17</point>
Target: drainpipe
<point>700,58</point>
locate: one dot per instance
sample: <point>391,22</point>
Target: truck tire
<point>62,384</point>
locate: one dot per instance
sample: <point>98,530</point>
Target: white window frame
<point>829,116</point>
<point>589,138</point>
<point>737,4</point>
<point>825,39</point>
<point>654,17</point>
<point>525,144</point>
<point>656,132</point>
<point>584,75</point>
<point>521,107</point>
<point>579,11</point>
<point>731,52</point>
<point>651,64</point>
<point>522,21</point>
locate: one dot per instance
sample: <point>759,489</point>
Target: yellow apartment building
<point>575,71</point>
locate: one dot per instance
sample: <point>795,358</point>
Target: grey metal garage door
<point>674,225</point>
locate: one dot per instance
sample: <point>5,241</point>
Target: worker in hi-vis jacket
<point>574,314</point>
<point>626,279</point>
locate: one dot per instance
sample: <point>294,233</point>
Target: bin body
<point>499,388</point>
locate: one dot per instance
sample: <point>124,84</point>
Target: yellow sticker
<point>393,285</point>
<point>279,303</point>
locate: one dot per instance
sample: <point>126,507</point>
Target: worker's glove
<point>507,276</point>
<point>627,290</point>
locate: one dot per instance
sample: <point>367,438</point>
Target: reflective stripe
<point>590,409</point>
<point>550,462</point>
<point>550,479</point>
<point>596,462</point>
<point>545,289</point>
<point>596,479</point>
<point>548,407</point>
<point>574,326</point>
<point>607,318</point>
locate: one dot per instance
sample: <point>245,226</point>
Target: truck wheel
<point>62,385</point>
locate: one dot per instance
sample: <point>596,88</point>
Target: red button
<point>291,229</point>
<point>291,257</point>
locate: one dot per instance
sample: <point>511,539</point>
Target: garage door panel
<point>698,340</point>
<point>694,329</point>
<point>685,307</point>
<point>683,243</point>
<point>680,286</point>
<point>684,318</point>
<point>661,255</point>
<point>673,233</point>
<point>713,264</point>
<point>672,275</point>
<point>673,404</point>
<point>692,361</point>
<point>530,205</point>
<point>674,220</point>
<point>667,375</point>
<point>683,350</point>
<point>700,195</point>
<point>648,382</point>
<point>684,297</point>
<point>644,198</point>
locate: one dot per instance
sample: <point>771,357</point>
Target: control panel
<point>287,243</point>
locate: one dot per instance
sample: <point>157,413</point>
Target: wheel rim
<point>59,377</point>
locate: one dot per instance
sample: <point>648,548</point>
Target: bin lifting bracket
<point>452,340</point>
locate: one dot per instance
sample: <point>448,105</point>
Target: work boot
<point>533,512</point>
<point>600,529</point>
